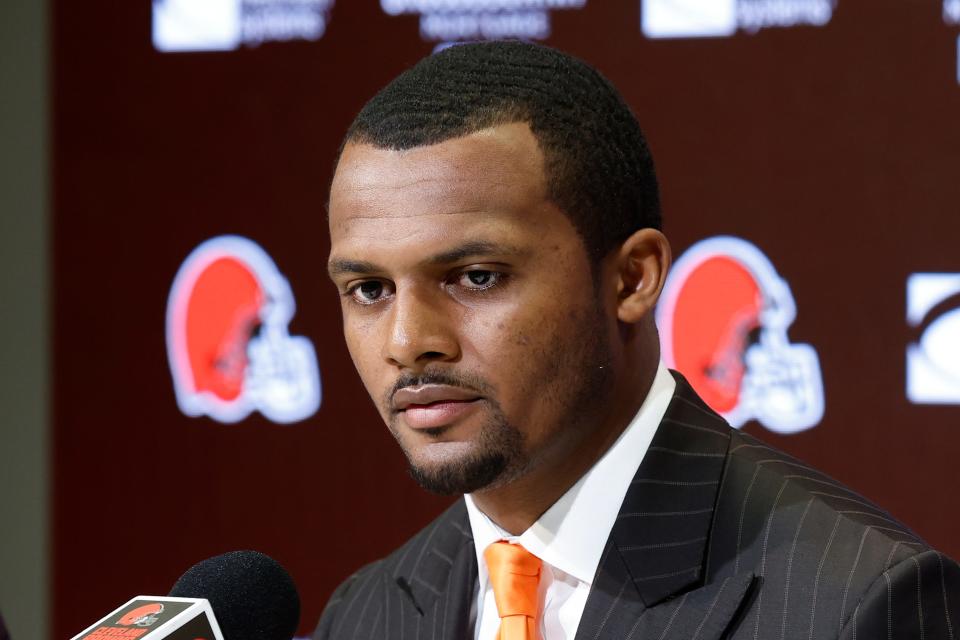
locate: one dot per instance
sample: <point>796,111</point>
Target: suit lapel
<point>434,585</point>
<point>655,557</point>
<point>701,614</point>
<point>614,603</point>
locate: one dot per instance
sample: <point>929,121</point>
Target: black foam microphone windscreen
<point>252,596</point>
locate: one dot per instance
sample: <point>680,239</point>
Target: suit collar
<point>662,529</point>
<point>656,556</point>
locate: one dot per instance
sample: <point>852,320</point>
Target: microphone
<point>253,596</point>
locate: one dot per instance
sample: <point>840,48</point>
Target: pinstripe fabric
<point>719,536</point>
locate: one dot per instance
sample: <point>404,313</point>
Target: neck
<point>518,503</point>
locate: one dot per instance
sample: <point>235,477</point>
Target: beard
<point>574,374</point>
<point>498,448</point>
<point>498,451</point>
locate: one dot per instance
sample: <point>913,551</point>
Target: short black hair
<point>599,169</point>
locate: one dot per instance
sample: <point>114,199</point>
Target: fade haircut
<point>598,167</point>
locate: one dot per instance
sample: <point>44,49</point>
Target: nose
<point>420,332</point>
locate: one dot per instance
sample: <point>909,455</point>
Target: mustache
<point>461,380</point>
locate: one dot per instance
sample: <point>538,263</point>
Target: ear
<point>641,266</point>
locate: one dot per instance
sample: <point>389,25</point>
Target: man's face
<point>468,306</point>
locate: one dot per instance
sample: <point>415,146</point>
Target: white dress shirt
<point>570,536</point>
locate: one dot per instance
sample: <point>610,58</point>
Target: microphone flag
<point>156,617</point>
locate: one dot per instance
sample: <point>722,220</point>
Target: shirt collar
<point>571,534</point>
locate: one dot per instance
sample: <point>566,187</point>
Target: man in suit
<point>494,222</point>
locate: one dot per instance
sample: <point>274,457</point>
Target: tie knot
<point>514,577</point>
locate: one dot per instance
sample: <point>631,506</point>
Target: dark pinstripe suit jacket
<point>719,536</point>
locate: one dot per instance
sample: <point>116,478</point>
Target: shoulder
<point>350,603</point>
<point>341,607</point>
<point>917,597</point>
<point>819,548</point>
<point>772,485</point>
<point>779,504</point>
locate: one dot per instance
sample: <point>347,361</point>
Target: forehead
<point>491,179</point>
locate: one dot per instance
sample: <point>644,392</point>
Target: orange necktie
<point>515,578</point>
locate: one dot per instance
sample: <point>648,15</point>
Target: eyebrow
<point>472,249</point>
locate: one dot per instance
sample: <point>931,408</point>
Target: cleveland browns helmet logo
<point>228,341</point>
<point>723,319</point>
<point>142,616</point>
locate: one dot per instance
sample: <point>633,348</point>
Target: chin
<point>484,456</point>
<point>468,472</point>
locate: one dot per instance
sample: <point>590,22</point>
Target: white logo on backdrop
<point>951,16</point>
<point>446,21</point>
<point>722,18</point>
<point>933,360</point>
<point>951,11</point>
<point>223,25</point>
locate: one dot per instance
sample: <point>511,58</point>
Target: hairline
<point>508,113</point>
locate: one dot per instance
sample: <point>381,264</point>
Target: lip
<point>438,414</point>
<point>429,394</point>
<point>434,405</point>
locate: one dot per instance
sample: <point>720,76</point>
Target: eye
<point>479,279</point>
<point>366,292</point>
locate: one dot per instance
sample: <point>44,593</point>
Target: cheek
<point>504,336</point>
<point>560,391</point>
<point>523,352</point>
<point>365,353</point>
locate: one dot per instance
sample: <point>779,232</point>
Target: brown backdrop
<point>834,149</point>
